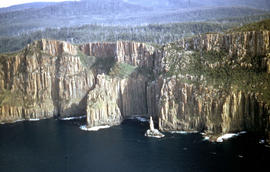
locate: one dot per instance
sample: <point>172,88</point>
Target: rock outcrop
<point>53,78</point>
<point>102,107</point>
<point>152,132</point>
<point>137,54</point>
<point>111,81</point>
<point>236,44</point>
<point>46,79</point>
<point>184,107</point>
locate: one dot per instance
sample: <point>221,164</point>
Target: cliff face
<point>195,99</point>
<point>137,54</point>
<point>238,44</point>
<point>117,94</point>
<point>53,78</point>
<point>99,49</point>
<point>102,102</point>
<point>44,80</point>
<point>185,107</point>
<point>218,83</point>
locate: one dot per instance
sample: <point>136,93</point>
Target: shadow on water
<point>55,145</point>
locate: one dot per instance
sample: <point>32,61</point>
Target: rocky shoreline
<point>112,81</point>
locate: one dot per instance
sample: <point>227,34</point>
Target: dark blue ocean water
<point>60,146</point>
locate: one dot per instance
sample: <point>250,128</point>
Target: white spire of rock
<point>152,132</point>
<point>151,123</point>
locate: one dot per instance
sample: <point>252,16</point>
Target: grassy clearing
<point>122,70</point>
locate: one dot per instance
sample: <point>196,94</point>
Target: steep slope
<point>217,83</point>
<point>43,80</point>
<point>53,78</point>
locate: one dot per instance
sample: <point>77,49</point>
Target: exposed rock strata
<point>48,78</point>
<point>102,106</point>
<point>51,78</point>
<point>183,107</point>
<point>113,99</point>
<point>137,54</point>
<point>237,44</point>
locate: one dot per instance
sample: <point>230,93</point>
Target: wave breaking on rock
<point>96,128</point>
<point>152,132</point>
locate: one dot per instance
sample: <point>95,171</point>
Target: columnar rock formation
<point>53,78</point>
<point>102,106</point>
<point>152,132</point>
<point>185,106</point>
<point>45,79</point>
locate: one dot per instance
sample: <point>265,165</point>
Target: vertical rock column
<point>102,102</point>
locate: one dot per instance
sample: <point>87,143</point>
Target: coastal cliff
<point>217,83</point>
<point>53,78</point>
<point>184,107</point>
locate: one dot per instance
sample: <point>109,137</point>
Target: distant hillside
<point>34,5</point>
<point>78,14</point>
<point>260,4</point>
<point>259,26</point>
<point>112,20</point>
<point>158,34</point>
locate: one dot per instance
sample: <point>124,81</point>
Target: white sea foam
<point>19,120</point>
<point>226,137</point>
<point>178,132</point>
<point>183,132</point>
<point>267,146</point>
<point>156,136</point>
<point>141,119</point>
<point>33,119</point>
<point>71,118</point>
<point>262,141</point>
<point>229,136</point>
<point>242,132</point>
<point>206,138</point>
<point>240,156</point>
<point>85,128</point>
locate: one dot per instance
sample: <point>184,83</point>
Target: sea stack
<point>152,132</point>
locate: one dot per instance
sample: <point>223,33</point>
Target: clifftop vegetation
<point>154,33</point>
<point>258,26</point>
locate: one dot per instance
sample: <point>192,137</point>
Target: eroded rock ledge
<point>111,81</point>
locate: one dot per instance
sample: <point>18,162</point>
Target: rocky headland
<point>216,83</point>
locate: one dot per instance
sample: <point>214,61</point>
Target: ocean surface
<point>61,146</point>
